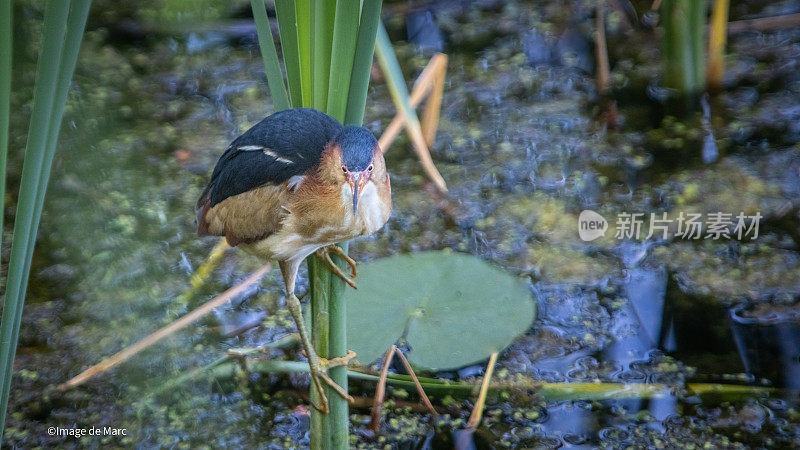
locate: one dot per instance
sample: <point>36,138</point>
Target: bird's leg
<point>325,254</point>
<point>319,366</point>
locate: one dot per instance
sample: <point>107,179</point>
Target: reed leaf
<point>324,12</point>
<point>287,26</point>
<point>345,30</point>
<point>63,28</point>
<point>362,64</point>
<point>394,77</point>
<point>76,22</point>
<point>55,22</point>
<point>272,67</point>
<point>303,18</point>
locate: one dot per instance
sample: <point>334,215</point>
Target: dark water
<point>524,148</point>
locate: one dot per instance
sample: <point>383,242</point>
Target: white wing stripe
<point>272,154</point>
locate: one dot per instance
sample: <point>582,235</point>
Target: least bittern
<point>294,184</point>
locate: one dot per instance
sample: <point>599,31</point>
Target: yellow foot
<point>319,374</point>
<point>325,254</point>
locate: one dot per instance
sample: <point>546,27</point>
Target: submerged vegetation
<point>636,342</point>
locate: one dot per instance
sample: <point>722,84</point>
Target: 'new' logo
<point>591,225</point>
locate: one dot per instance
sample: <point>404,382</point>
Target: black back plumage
<point>283,145</point>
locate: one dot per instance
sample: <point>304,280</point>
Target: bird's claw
<point>319,374</point>
<point>325,254</point>
<point>334,362</point>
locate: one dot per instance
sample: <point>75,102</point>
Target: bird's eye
<point>370,168</point>
<point>344,169</point>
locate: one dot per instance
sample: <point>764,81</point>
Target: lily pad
<point>453,309</point>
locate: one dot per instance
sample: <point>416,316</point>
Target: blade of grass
<point>362,62</point>
<point>287,26</point>
<point>46,86</point>
<point>269,55</point>
<point>5,97</point>
<point>345,28</point>
<point>302,11</point>
<point>324,12</point>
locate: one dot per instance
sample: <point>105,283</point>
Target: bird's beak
<point>357,180</point>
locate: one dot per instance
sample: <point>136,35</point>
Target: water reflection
<point>768,341</point>
<point>661,316</point>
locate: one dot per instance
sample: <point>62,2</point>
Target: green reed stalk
<point>319,289</point>
<point>346,22</point>
<point>63,28</point>
<point>303,18</point>
<point>327,49</point>
<point>324,13</point>
<point>269,54</point>
<point>345,29</point>
<point>684,61</point>
<point>362,64</point>
<point>287,25</point>
<point>353,114</point>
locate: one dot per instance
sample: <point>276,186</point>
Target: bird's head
<point>355,158</point>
